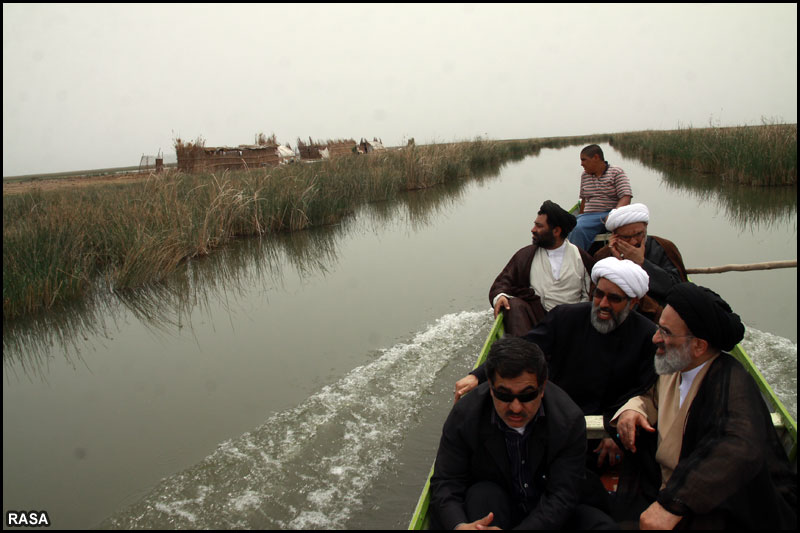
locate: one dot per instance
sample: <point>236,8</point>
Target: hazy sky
<point>94,86</point>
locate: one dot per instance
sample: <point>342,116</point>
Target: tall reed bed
<point>56,244</point>
<point>755,155</point>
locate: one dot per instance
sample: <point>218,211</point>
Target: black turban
<point>557,216</point>
<point>707,315</point>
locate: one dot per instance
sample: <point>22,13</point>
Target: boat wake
<point>311,466</point>
<point>776,358</point>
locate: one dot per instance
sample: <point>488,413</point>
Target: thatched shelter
<point>341,147</point>
<point>367,147</point>
<point>334,148</point>
<point>194,157</point>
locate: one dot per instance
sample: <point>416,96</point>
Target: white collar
<point>556,257</point>
<point>687,378</point>
<point>557,251</point>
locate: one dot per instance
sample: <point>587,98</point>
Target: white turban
<point>623,273</point>
<point>627,214</point>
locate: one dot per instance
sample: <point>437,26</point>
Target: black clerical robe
<point>732,471</point>
<point>598,371</point>
<point>664,266</point>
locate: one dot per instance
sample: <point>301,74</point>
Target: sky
<point>98,86</point>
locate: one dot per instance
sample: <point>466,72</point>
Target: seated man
<point>659,257</point>
<point>603,188</point>
<point>716,461</point>
<point>599,352</point>
<point>533,283</point>
<point>512,453</point>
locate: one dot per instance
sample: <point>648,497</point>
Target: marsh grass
<point>754,155</point>
<point>55,244</point>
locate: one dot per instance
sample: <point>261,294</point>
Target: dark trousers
<point>485,497</point>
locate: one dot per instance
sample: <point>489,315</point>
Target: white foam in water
<point>776,358</point>
<point>309,467</point>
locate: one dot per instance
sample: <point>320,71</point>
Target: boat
<point>421,517</point>
<point>784,424</point>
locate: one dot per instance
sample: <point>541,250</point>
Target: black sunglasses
<point>507,397</point>
<point>613,298</point>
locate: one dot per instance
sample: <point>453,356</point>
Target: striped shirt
<point>603,193</point>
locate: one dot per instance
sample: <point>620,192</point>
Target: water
<point>311,467</point>
<point>302,381</point>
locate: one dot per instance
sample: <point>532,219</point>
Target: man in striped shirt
<point>603,188</point>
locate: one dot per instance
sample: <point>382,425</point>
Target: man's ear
<point>699,347</point>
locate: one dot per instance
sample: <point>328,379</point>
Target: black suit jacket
<point>473,449</point>
<point>599,371</point>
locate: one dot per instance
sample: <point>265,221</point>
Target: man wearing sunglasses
<point>599,352</point>
<point>659,257</point>
<point>703,450</point>
<point>512,452</point>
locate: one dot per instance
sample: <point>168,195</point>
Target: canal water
<point>301,381</point>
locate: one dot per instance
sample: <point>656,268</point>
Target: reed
<point>754,155</point>
<point>56,244</point>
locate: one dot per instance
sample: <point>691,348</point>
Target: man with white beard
<point>707,455</point>
<point>598,352</point>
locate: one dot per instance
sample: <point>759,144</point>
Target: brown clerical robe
<point>515,280</point>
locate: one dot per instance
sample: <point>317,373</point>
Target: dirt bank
<point>51,184</point>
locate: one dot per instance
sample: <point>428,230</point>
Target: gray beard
<point>673,360</point>
<point>607,326</point>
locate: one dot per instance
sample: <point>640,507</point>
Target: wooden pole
<point>792,263</point>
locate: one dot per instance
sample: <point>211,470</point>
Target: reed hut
<point>309,151</point>
<point>334,148</point>
<point>367,147</point>
<point>339,148</point>
<point>198,158</point>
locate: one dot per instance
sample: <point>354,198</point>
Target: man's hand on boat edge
<point>502,303</point>
<point>464,385</point>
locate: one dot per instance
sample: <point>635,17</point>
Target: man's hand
<point>627,423</point>
<point>464,385</point>
<point>608,449</point>
<point>656,517</point>
<point>622,250</point>
<point>483,523</point>
<point>502,303</point>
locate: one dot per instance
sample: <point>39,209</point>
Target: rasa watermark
<point>27,519</point>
